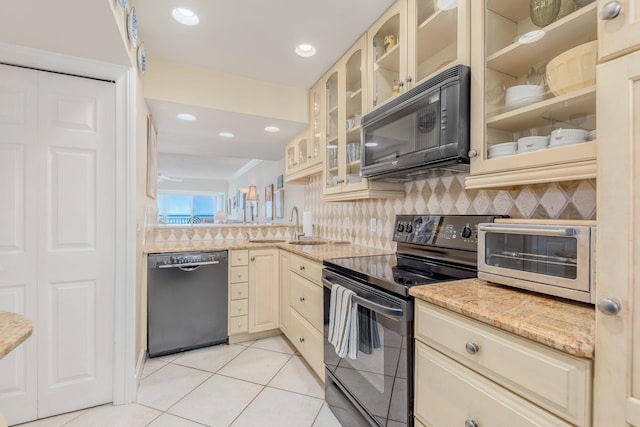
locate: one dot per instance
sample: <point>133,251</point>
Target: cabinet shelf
<point>570,31</point>
<point>559,108</point>
<point>439,23</point>
<point>391,60</point>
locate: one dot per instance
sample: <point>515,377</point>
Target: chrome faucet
<point>296,234</point>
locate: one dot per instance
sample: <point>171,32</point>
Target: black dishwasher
<point>186,301</point>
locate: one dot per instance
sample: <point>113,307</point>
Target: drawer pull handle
<point>302,267</point>
<point>301,339</point>
<point>253,258</point>
<point>470,423</point>
<point>472,348</point>
<point>301,299</point>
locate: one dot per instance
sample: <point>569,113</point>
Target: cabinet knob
<point>608,306</point>
<point>470,423</point>
<point>472,153</point>
<point>253,258</point>
<point>409,79</point>
<point>472,348</point>
<point>301,339</point>
<point>301,299</point>
<point>610,10</point>
<point>400,83</point>
<point>302,267</point>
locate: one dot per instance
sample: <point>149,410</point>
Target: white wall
<point>263,174</point>
<point>193,184</point>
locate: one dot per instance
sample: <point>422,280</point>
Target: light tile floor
<point>258,383</point>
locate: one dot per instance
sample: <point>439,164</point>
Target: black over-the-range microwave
<point>420,132</point>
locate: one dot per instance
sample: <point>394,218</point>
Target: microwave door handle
<point>378,308</point>
<point>505,228</point>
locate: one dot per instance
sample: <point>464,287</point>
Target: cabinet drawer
<point>239,257</point>
<point>239,274</point>
<point>556,381</point>
<point>308,341</point>
<point>239,307</point>
<point>238,325</point>
<point>448,394</point>
<point>306,299</point>
<point>307,268</point>
<point>239,290</point>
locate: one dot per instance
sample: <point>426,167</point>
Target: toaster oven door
<point>556,256</point>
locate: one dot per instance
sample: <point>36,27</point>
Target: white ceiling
<point>249,38</point>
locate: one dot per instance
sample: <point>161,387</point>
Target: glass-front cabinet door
<point>439,39</point>
<point>387,41</point>
<point>535,70</point>
<point>332,116</point>
<point>315,125</point>
<point>354,69</point>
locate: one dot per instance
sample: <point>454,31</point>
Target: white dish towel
<point>343,322</point>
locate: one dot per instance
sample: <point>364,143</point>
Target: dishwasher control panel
<point>165,260</point>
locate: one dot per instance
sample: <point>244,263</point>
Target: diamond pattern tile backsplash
<point>445,195</point>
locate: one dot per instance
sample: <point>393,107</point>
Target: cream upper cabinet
<point>264,295</point>
<point>345,101</point>
<point>617,362</point>
<point>533,73</point>
<point>618,28</point>
<point>413,41</point>
<point>302,158</point>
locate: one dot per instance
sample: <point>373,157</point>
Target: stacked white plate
<point>532,143</point>
<point>521,95</point>
<point>560,137</point>
<point>503,149</point>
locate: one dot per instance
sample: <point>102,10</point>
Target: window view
<point>181,208</point>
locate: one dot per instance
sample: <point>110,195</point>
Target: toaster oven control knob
<point>408,228</point>
<point>608,306</point>
<point>466,232</point>
<point>400,228</point>
<point>470,423</point>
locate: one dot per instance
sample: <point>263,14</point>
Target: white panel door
<point>76,228</point>
<point>18,244</point>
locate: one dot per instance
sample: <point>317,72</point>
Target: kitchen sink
<point>307,242</point>
<point>266,240</point>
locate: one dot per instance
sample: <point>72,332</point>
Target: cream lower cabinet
<point>284,292</point>
<point>469,373</point>
<point>264,282</point>
<point>305,311</point>
<point>239,292</point>
<point>254,299</point>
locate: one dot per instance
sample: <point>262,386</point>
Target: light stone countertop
<point>14,329</point>
<point>560,324</point>
<point>316,253</point>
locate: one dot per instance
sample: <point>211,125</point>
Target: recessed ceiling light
<point>531,36</point>
<point>185,16</point>
<point>272,129</point>
<point>187,117</point>
<point>226,134</point>
<point>370,144</point>
<point>305,50</point>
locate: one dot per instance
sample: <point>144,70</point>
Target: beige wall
<point>446,195</point>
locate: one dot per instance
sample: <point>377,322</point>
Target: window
<point>181,208</point>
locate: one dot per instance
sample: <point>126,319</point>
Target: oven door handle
<point>519,229</point>
<point>378,308</point>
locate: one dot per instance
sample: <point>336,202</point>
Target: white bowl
<point>564,136</point>
<point>532,142</point>
<point>505,148</point>
<point>520,93</point>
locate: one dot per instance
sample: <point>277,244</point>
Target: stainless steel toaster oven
<point>554,259</point>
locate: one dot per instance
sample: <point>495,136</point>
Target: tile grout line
<point>260,392</point>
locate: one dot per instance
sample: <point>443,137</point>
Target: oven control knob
<point>400,227</point>
<point>408,228</point>
<point>466,232</point>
